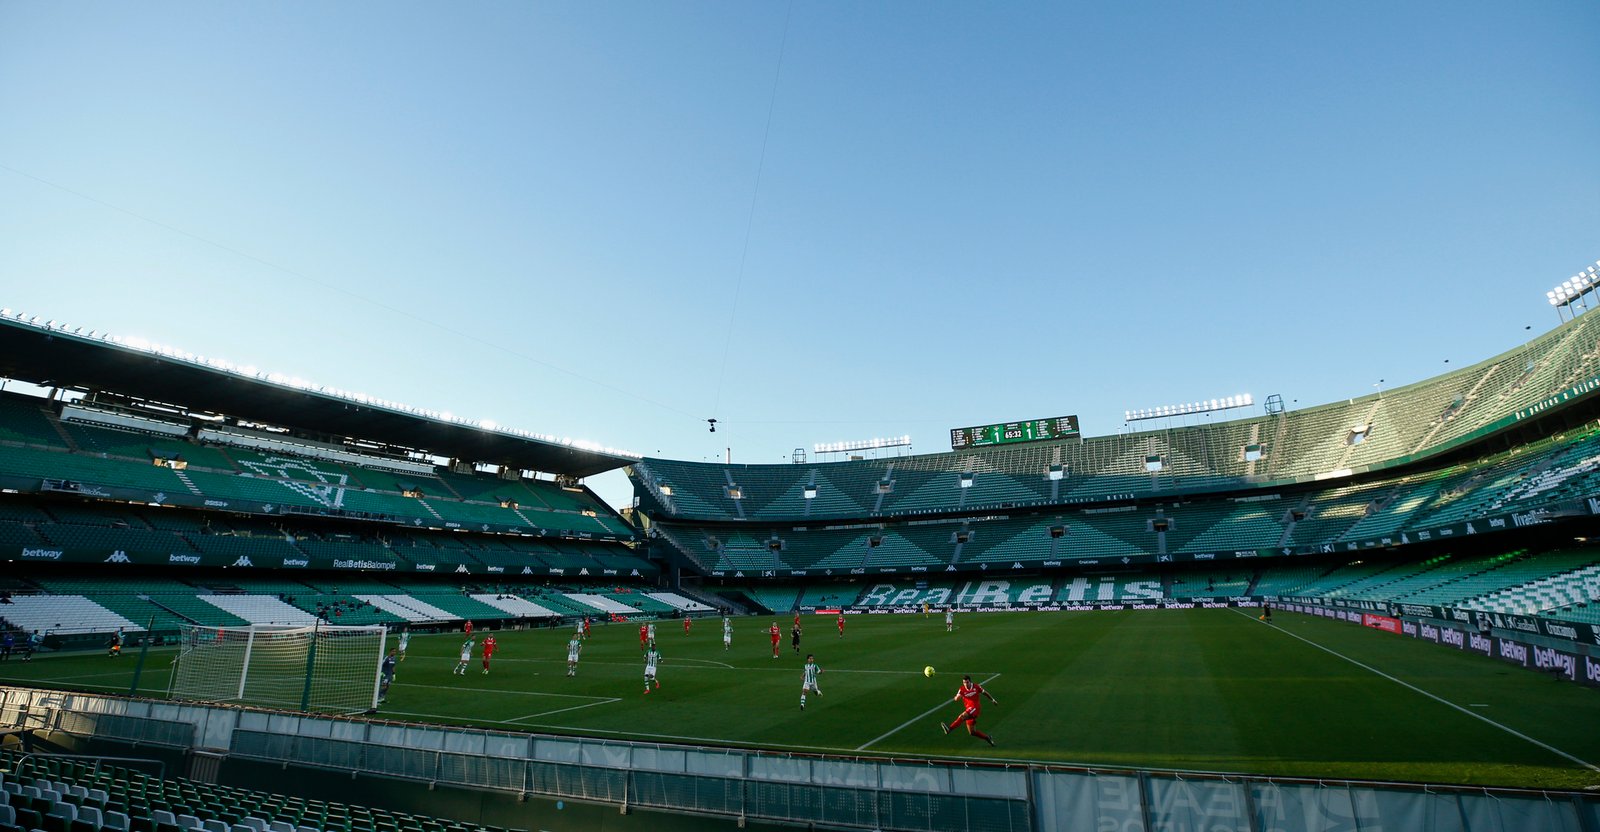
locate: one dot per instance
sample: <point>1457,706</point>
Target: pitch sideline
<point>1369,668</point>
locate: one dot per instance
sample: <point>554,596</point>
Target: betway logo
<point>183,558</point>
<point>1591,669</point>
<point>424,567</point>
<point>1430,632</point>
<point>1454,638</point>
<point>42,554</point>
<point>1549,658</point>
<point>1513,650</point>
<point>300,562</point>
<point>1479,644</point>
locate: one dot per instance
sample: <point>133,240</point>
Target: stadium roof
<point>48,355</point>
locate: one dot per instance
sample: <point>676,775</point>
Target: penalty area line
<point>493,690</point>
<point>1480,717</point>
<point>919,717</point>
<point>563,710</point>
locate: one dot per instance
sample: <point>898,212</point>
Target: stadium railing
<point>834,791</point>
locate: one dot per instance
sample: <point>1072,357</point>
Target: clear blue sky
<point>816,222</point>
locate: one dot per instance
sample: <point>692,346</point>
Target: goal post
<point>320,668</point>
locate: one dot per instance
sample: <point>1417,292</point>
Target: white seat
<point>8,815</point>
<point>214,825</point>
<point>280,826</point>
<point>189,822</point>
<point>90,815</point>
<point>98,797</point>
<point>162,817</point>
<point>239,827</point>
<point>257,824</point>
<point>115,821</point>
<point>75,791</point>
<point>65,811</point>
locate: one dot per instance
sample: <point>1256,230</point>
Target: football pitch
<point>1207,690</point>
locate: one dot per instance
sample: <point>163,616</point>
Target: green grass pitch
<point>1212,690</point>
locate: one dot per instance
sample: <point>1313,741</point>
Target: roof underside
<point>59,359</point>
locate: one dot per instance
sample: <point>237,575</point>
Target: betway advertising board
<point>1566,664</point>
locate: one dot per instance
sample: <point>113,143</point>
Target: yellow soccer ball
<point>928,671</point>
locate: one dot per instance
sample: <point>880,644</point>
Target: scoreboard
<point>1035,430</point>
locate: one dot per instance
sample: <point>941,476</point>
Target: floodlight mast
<point>1574,293</point>
<point>1189,408</point>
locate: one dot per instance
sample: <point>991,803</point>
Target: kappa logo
<point>461,568</point>
<point>244,560</point>
<point>298,477</point>
<point>118,556</point>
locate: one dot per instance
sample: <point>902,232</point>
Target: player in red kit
<point>644,636</point>
<point>467,628</point>
<point>841,625</point>
<point>971,695</point>
<point>488,652</point>
<point>686,625</point>
<point>773,631</point>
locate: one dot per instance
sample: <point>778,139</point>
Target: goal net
<point>323,668</point>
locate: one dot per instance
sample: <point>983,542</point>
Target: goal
<point>324,668</point>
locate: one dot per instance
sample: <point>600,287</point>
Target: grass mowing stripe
<point>924,715</point>
<point>1512,731</point>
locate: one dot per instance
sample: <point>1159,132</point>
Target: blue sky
<point>813,222</point>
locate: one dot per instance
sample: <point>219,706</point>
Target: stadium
<point>1346,579</point>
<point>1422,554</point>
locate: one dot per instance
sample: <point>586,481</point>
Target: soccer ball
<point>927,671</point>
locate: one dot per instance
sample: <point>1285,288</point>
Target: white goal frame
<point>322,667</point>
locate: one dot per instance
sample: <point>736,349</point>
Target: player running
<point>773,632</point>
<point>652,657</point>
<point>466,656</point>
<point>574,647</point>
<point>727,632</point>
<point>794,637</point>
<point>644,637</point>
<point>467,628</point>
<point>971,695</point>
<point>686,620</point>
<point>488,652</point>
<point>405,641</point>
<point>652,633</point>
<point>808,679</point>
<point>841,625</point>
<point>586,626</point>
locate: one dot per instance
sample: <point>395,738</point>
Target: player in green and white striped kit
<point>651,658</point>
<point>808,679</point>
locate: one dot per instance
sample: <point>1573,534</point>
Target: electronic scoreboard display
<point>1035,430</point>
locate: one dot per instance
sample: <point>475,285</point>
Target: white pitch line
<point>492,690</point>
<point>918,717</point>
<point>707,661</point>
<point>564,710</point>
<point>1480,717</point>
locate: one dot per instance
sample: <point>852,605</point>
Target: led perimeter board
<point>1034,430</point>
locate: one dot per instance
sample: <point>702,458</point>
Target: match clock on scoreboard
<point>1033,430</point>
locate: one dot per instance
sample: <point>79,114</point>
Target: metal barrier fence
<point>828,791</point>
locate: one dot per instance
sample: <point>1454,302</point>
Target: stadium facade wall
<point>827,791</point>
